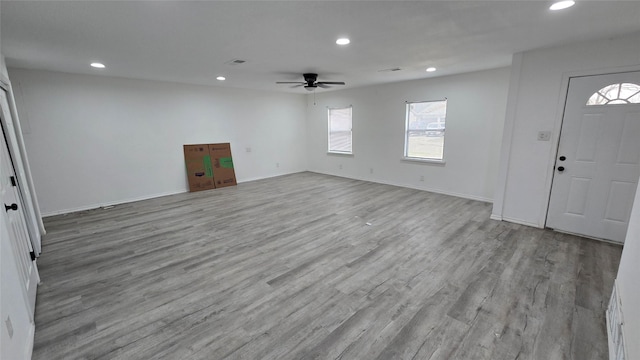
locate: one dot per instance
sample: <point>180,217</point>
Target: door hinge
<point>33,256</point>
<point>13,181</point>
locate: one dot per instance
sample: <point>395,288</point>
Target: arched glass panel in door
<point>621,93</point>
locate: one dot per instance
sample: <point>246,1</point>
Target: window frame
<point>339,152</point>
<point>405,156</point>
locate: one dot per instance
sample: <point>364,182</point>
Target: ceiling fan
<point>310,82</point>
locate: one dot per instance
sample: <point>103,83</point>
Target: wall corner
<point>507,137</point>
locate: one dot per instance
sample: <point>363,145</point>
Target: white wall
<point>475,117</point>
<point>536,104</point>
<point>628,283</point>
<point>97,140</point>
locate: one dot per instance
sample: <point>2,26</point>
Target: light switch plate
<point>544,135</point>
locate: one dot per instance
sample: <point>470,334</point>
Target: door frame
<point>26,189</point>
<point>29,297</point>
<point>557,127</point>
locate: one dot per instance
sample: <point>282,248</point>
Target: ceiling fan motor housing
<point>310,79</point>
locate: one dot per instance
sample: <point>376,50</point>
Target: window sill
<point>340,153</point>
<point>424,161</point>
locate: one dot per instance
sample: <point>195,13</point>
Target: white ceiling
<point>190,41</point>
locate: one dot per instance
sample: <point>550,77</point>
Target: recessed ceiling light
<point>560,5</point>
<point>98,65</point>
<point>431,69</point>
<point>343,41</point>
<point>221,78</point>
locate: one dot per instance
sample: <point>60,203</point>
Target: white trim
<point>521,222</point>
<point>495,217</point>
<point>424,160</point>
<point>15,144</point>
<point>339,153</point>
<point>616,340</point>
<point>560,109</point>
<point>112,203</point>
<point>32,333</point>
<point>588,237</point>
<point>410,186</point>
<point>31,190</point>
<point>144,197</point>
<point>268,177</point>
<point>407,106</point>
<point>507,136</point>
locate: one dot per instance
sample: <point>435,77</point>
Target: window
<point>623,93</point>
<point>340,130</point>
<point>424,130</point>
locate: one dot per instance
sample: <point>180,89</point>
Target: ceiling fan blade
<point>323,85</point>
<point>290,82</point>
<point>331,83</point>
<point>298,85</point>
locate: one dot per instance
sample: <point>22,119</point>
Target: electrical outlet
<point>277,165</point>
<point>421,177</point>
<point>370,170</point>
<point>544,135</point>
<point>248,149</point>
<point>340,166</point>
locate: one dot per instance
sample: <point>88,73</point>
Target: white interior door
<point>13,137</point>
<point>19,272</point>
<point>598,160</point>
<point>17,326</point>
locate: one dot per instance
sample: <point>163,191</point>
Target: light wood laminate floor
<point>309,266</point>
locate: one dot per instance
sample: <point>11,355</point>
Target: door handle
<point>561,168</point>
<point>13,207</point>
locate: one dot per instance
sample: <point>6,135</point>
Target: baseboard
<point>268,177</point>
<point>513,220</point>
<point>615,326</point>
<point>521,222</point>
<point>590,237</point>
<point>410,186</point>
<point>28,352</point>
<point>145,197</point>
<point>112,203</point>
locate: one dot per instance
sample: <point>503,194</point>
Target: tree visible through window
<point>340,130</point>
<point>622,93</point>
<point>424,130</point>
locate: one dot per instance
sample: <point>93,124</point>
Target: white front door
<point>19,273</point>
<point>598,160</point>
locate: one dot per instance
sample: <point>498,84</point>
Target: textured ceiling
<point>192,41</point>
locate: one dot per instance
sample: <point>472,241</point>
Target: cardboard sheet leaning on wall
<point>199,170</point>
<point>223,172</point>
<point>209,166</point>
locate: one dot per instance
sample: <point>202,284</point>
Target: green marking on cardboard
<point>226,162</point>
<point>208,169</point>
